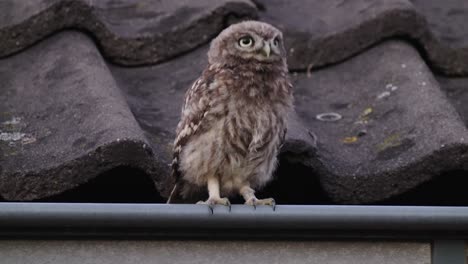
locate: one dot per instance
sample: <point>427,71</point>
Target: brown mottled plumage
<point>233,119</point>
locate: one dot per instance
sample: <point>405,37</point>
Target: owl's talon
<point>210,206</point>
<point>214,201</point>
<point>254,202</point>
<point>272,203</point>
<point>251,202</point>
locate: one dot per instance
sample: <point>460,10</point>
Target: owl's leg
<point>250,198</point>
<point>214,196</point>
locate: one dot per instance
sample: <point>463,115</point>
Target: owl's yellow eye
<point>245,42</point>
<point>276,41</point>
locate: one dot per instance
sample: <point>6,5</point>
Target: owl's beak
<point>266,49</point>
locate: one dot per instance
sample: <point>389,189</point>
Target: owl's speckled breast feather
<point>247,127</point>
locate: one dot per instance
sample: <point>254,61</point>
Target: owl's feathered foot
<point>214,198</point>
<point>212,201</point>
<point>254,201</point>
<point>250,198</point>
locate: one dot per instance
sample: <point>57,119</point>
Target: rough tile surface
<point>397,125</point>
<point>320,33</point>
<point>63,120</point>
<point>457,91</point>
<point>378,113</point>
<point>129,32</point>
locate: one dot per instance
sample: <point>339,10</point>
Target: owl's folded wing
<point>197,111</point>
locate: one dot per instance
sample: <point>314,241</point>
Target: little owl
<point>233,118</point>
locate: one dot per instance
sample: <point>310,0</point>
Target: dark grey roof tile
<point>447,20</point>
<point>397,130</point>
<point>63,120</point>
<point>68,119</point>
<point>149,31</point>
<point>129,32</point>
<point>320,33</point>
<point>457,91</point>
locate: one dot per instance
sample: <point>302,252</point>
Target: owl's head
<point>248,41</point>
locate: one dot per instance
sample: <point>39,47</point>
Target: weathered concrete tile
<point>447,20</point>
<point>129,32</point>
<point>457,92</point>
<point>320,33</point>
<point>63,120</point>
<point>397,130</point>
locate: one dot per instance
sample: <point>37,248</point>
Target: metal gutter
<point>73,220</point>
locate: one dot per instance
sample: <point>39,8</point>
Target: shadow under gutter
<point>161,221</point>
